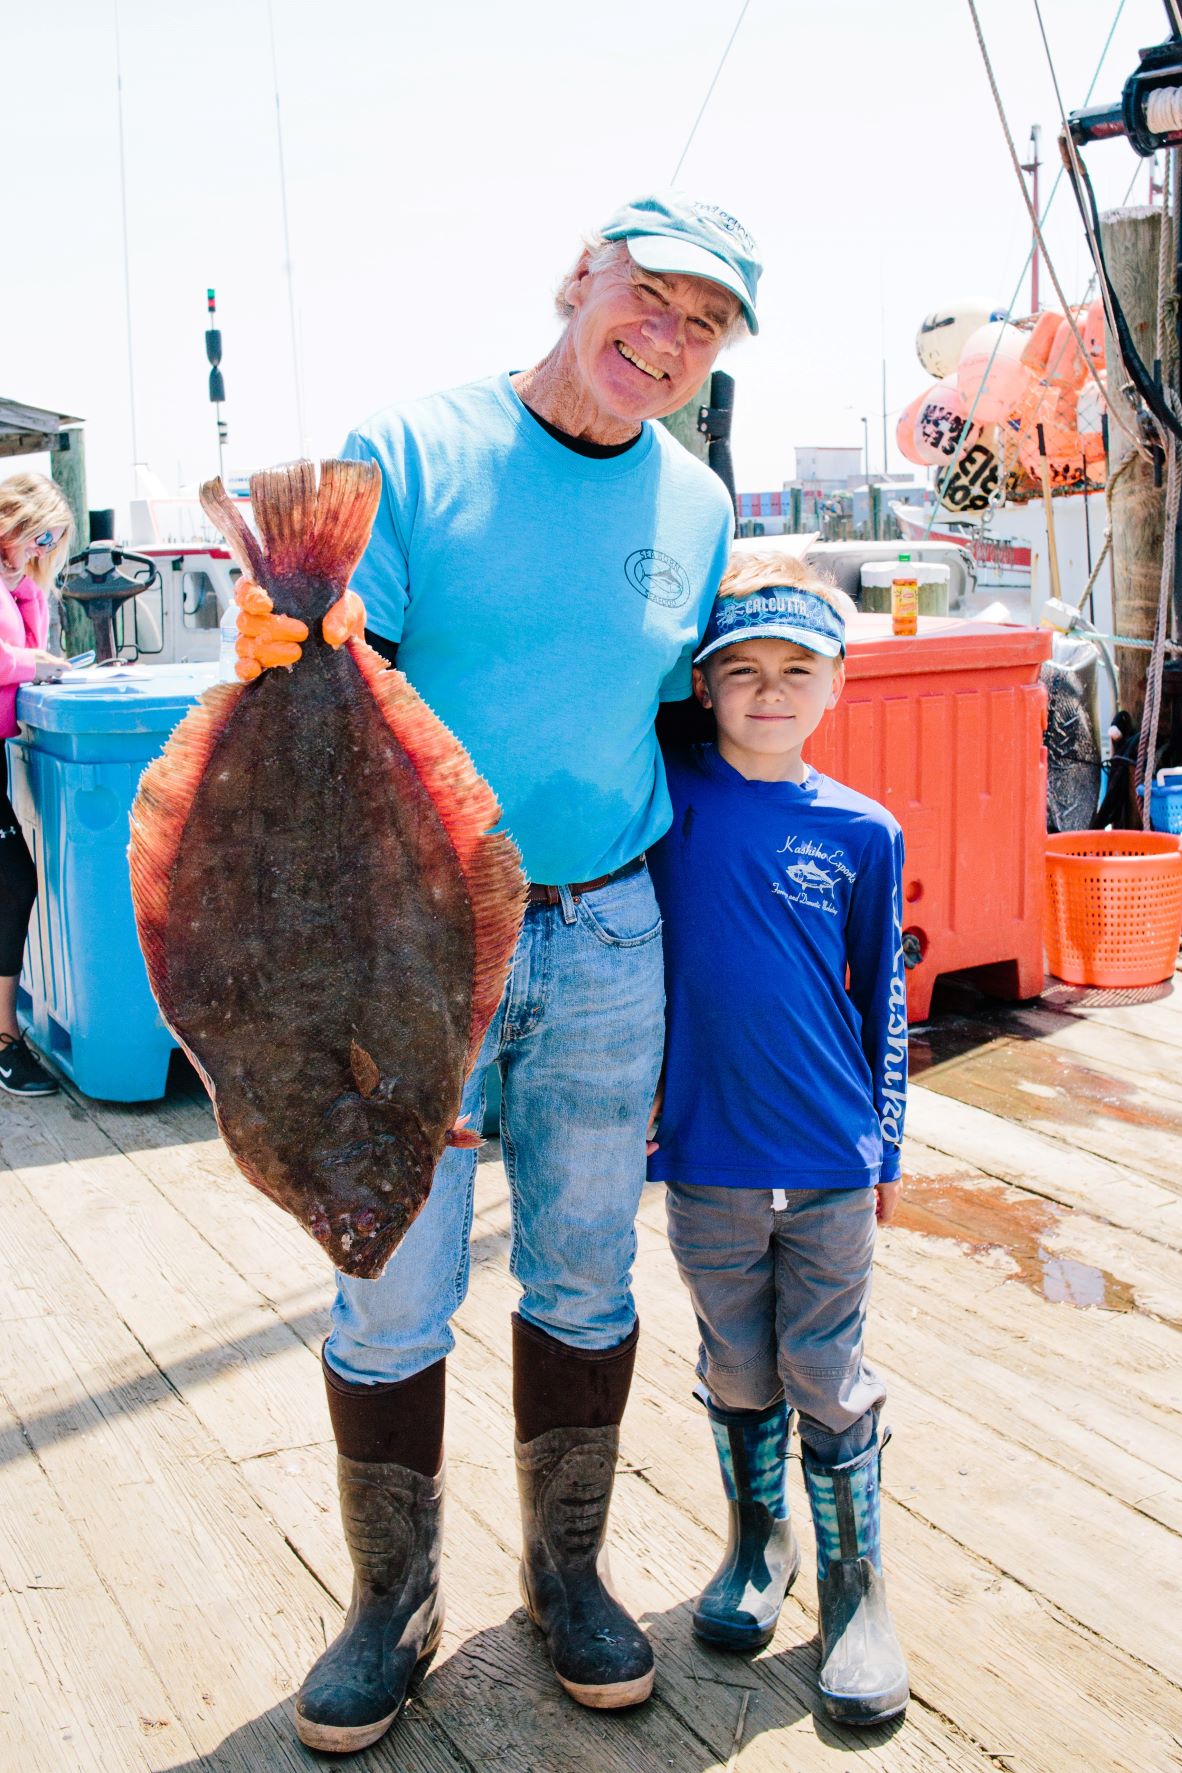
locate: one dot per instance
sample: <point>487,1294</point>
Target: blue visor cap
<point>779,612</point>
<point>688,239</point>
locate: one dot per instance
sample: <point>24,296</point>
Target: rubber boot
<point>392,1517</point>
<point>565,1475</point>
<point>740,1605</point>
<point>863,1677</point>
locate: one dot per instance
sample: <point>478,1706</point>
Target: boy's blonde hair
<point>748,573</point>
<point>30,504</point>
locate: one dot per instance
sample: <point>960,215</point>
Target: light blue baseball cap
<point>690,239</point>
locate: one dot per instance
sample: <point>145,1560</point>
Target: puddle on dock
<point>988,1218</point>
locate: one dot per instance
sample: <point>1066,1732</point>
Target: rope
<point>1167,356</point>
<point>966,434</point>
<point>1106,545</point>
<point>1163,110</point>
<point>1133,436</point>
<point>1147,742</point>
<point>1072,163</point>
<point>702,112</point>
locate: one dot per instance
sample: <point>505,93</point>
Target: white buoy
<point>942,335</point>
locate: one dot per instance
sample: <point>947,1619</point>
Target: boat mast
<point>135,448</point>
<point>288,267</point>
<point>1032,166</point>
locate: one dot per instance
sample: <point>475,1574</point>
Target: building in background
<point>830,496</point>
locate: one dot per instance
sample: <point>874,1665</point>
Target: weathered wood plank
<point>191,1310</point>
<point>1041,1165</point>
<point>981,1646</point>
<point>77,1691</point>
<point>943,1448</point>
<point>229,1617</point>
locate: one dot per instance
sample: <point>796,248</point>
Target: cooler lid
<point>115,699</point>
<point>952,643</point>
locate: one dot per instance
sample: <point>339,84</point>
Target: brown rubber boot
<point>565,1474</point>
<point>392,1515</point>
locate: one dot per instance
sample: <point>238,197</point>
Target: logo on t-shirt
<point>813,873</point>
<point>658,577</point>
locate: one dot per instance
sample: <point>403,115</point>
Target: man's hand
<point>264,639</point>
<point>345,620</point>
<point>888,1200</point>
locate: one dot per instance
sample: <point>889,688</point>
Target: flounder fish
<point>326,915</point>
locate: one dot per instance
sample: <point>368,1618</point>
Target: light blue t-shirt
<point>544,602</point>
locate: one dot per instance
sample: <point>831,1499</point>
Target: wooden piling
<point>1130,238</point>
<point>684,423</point>
<point>67,467</point>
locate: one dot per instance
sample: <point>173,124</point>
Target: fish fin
<point>346,504</point>
<point>462,1136</point>
<point>158,815</point>
<point>284,504</point>
<point>366,1074</point>
<point>467,809</point>
<point>320,530</point>
<point>222,511</point>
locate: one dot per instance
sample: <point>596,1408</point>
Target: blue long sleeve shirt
<point>776,1074</point>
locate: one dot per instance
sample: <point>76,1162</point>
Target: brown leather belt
<point>551,895</point>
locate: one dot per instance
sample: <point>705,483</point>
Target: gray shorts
<point>781,1298</point>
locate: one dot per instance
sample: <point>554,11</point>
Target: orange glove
<point>264,639</point>
<point>345,620</point>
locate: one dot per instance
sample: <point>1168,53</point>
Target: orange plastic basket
<point>1113,907</point>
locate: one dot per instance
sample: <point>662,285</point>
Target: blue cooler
<point>74,772</point>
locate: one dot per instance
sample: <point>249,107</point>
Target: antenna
<point>217,382</point>
<point>135,448</point>
<point>1032,166</point>
<point>291,312</point>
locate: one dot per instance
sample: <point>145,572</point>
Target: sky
<point>443,162</point>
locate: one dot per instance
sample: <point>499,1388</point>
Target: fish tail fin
<point>320,529</point>
<point>467,809</point>
<point>346,504</point>
<point>221,510</point>
<point>158,815</point>
<point>284,504</point>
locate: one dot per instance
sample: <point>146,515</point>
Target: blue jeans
<point>578,1039</point>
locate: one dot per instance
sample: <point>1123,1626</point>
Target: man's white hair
<point>602,253</point>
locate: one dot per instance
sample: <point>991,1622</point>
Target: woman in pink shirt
<point>35,530</point>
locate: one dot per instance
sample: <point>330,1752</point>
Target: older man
<point>543,561</point>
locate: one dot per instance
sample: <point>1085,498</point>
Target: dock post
<point>67,469</point>
<point>1130,238</point>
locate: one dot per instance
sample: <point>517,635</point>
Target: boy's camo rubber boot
<point>863,1677</point>
<point>741,1603</point>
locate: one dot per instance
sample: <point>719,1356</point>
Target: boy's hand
<point>887,1201</point>
<point>651,1142</point>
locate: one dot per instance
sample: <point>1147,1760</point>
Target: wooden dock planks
<point>169,1553</point>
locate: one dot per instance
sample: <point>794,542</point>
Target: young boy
<point>782,1115</point>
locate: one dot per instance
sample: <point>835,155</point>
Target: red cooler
<point>945,728</point>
